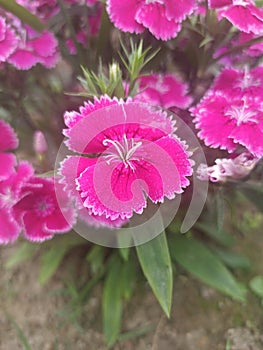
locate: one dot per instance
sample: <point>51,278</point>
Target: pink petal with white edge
<point>123,14</point>
<point>250,135</point>
<point>8,163</point>
<point>133,119</point>
<point>71,168</point>
<point>248,19</point>
<point>34,229</point>
<point>8,138</point>
<point>9,228</point>
<point>179,9</point>
<point>8,44</point>
<point>152,16</point>
<point>60,222</point>
<point>112,191</point>
<point>214,126</point>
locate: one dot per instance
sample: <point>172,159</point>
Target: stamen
<point>241,114</point>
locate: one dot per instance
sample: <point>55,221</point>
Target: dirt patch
<point>201,319</point>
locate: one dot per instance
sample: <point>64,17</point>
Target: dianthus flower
<point>228,168</point>
<point>44,210</point>
<point>8,40</point>
<point>226,122</point>
<point>164,90</point>
<point>162,17</point>
<point>10,194</point>
<point>8,141</point>
<point>135,155</point>
<point>243,14</point>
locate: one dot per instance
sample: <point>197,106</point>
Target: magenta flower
<point>162,18</point>
<point>10,194</point>
<point>243,14</point>
<point>240,82</point>
<point>44,210</point>
<point>35,49</point>
<point>8,141</point>
<point>136,156</point>
<point>8,40</point>
<point>165,90</point>
<point>226,122</point>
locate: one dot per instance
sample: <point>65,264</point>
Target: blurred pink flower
<point>226,122</point>
<point>228,168</point>
<point>44,210</point>
<point>243,14</point>
<point>8,40</point>
<point>8,141</point>
<point>10,194</point>
<point>162,18</point>
<point>39,142</point>
<point>164,90</point>
<point>136,154</point>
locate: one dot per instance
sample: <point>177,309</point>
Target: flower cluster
<point>28,202</point>
<point>162,18</point>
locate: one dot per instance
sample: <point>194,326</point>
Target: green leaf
<point>51,260</point>
<point>203,264</point>
<point>256,285</point>
<point>231,259</point>
<point>19,331</point>
<point>23,14</point>
<point>112,302</point>
<point>127,278</point>
<point>254,194</point>
<point>219,236</point>
<point>155,261</point>
<point>24,252</point>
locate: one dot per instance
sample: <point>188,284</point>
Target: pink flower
<point>162,18</point>
<point>10,194</point>
<point>225,168</point>
<point>42,211</point>
<point>8,40</point>
<point>240,82</point>
<point>165,90</point>
<point>39,143</point>
<point>136,155</point>
<point>35,49</point>
<point>226,122</point>
<point>243,14</point>
<point>8,141</point>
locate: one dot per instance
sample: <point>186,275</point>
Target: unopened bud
<point>40,143</point>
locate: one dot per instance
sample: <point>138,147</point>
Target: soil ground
<point>201,319</point>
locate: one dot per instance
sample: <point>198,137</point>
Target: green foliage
<point>19,332</point>
<point>197,259</point>
<point>104,82</point>
<point>24,252</point>
<point>154,258</point>
<point>254,193</point>
<point>256,285</point>
<point>23,14</point>
<point>134,62</point>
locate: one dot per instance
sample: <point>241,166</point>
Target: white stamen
<point>241,114</point>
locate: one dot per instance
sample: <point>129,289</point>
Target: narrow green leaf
<point>155,261</point>
<point>254,194</point>
<point>256,285</point>
<point>231,259</point>
<point>203,264</point>
<point>20,333</point>
<point>23,14</point>
<point>127,278</point>
<point>51,260</point>
<point>24,252</point>
<point>112,303</point>
<point>219,236</point>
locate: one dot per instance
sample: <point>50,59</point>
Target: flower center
<point>247,80</point>
<point>44,207</point>
<point>242,114</point>
<point>154,1</point>
<point>122,151</point>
